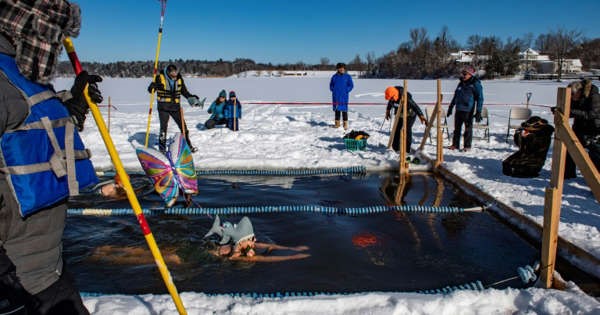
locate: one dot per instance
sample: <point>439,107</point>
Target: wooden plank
<point>403,164</point>
<point>581,158</point>
<point>554,192</point>
<point>440,137</point>
<point>550,235</point>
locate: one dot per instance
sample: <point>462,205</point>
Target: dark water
<point>409,251</point>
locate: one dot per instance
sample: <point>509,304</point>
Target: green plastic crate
<point>354,145</point>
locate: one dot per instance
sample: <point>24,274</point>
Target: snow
<point>299,136</point>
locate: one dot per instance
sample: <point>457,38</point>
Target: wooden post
<point>404,111</point>
<point>553,196</point>
<point>440,136</point>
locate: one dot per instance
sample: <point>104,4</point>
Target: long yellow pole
<point>155,72</point>
<point>137,209</point>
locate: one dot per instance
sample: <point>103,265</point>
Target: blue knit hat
<point>223,93</point>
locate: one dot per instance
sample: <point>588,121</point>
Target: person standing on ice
<point>233,112</point>
<point>393,94</point>
<point>585,111</point>
<point>169,87</point>
<point>468,99</point>
<point>42,155</point>
<point>340,86</point>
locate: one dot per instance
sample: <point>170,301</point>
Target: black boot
<point>162,142</point>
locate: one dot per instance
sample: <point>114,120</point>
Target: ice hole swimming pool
<point>390,251</point>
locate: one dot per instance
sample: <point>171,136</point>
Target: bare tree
<point>560,42</point>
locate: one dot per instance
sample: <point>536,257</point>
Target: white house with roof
<point>467,56</point>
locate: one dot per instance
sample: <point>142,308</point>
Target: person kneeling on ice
<point>238,242</point>
<point>216,111</point>
<point>393,94</point>
<point>233,112</point>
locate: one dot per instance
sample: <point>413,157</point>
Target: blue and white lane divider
<point>271,209</point>
<point>351,170</point>
<point>527,274</point>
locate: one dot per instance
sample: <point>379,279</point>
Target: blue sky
<point>280,31</point>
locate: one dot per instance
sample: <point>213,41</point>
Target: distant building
<point>467,56</point>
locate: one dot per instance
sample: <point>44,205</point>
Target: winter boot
<point>345,125</point>
<point>162,142</point>
<point>337,124</point>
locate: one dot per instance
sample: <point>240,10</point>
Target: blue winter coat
<point>340,87</point>
<point>467,95</point>
<point>216,110</point>
<point>228,110</point>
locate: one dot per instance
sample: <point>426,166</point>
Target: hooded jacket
<point>468,96</point>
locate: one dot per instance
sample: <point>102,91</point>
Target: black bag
<point>533,139</point>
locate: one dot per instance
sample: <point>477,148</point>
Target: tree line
<point>421,57</point>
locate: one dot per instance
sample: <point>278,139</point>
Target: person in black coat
<point>585,111</point>
<point>394,96</point>
<point>169,87</point>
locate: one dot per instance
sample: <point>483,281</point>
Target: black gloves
<point>77,105</point>
<point>155,86</point>
<point>450,111</point>
<point>478,117</point>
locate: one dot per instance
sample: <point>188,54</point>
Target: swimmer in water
<point>238,242</point>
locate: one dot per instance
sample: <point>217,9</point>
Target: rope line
<point>271,209</point>
<point>351,170</point>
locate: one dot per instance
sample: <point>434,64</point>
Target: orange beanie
<point>391,93</point>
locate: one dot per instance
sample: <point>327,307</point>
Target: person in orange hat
<point>393,94</point>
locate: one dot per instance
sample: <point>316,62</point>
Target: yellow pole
<point>137,209</point>
<point>160,31</point>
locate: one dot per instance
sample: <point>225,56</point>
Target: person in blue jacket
<point>233,112</point>
<point>468,99</point>
<point>340,86</point>
<point>216,110</point>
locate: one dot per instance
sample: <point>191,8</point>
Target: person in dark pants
<point>233,112</point>
<point>340,86</point>
<point>394,96</point>
<point>585,109</point>
<point>33,276</point>
<point>169,87</point>
<point>217,116</point>
<point>468,99</point>
<point>533,139</point>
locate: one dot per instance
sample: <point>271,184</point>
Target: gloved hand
<point>423,120</point>
<point>553,109</point>
<point>478,117</point>
<point>449,111</point>
<point>155,86</point>
<point>77,105</point>
<point>387,114</point>
<point>193,100</point>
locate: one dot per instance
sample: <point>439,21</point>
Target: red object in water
<point>364,240</point>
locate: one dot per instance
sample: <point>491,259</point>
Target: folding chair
<point>515,116</point>
<point>428,113</point>
<point>484,124</point>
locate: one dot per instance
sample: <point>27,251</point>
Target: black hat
<point>171,68</point>
<point>340,65</point>
<point>232,94</point>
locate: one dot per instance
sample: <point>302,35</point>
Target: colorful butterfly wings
<point>183,163</point>
<point>170,173</point>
